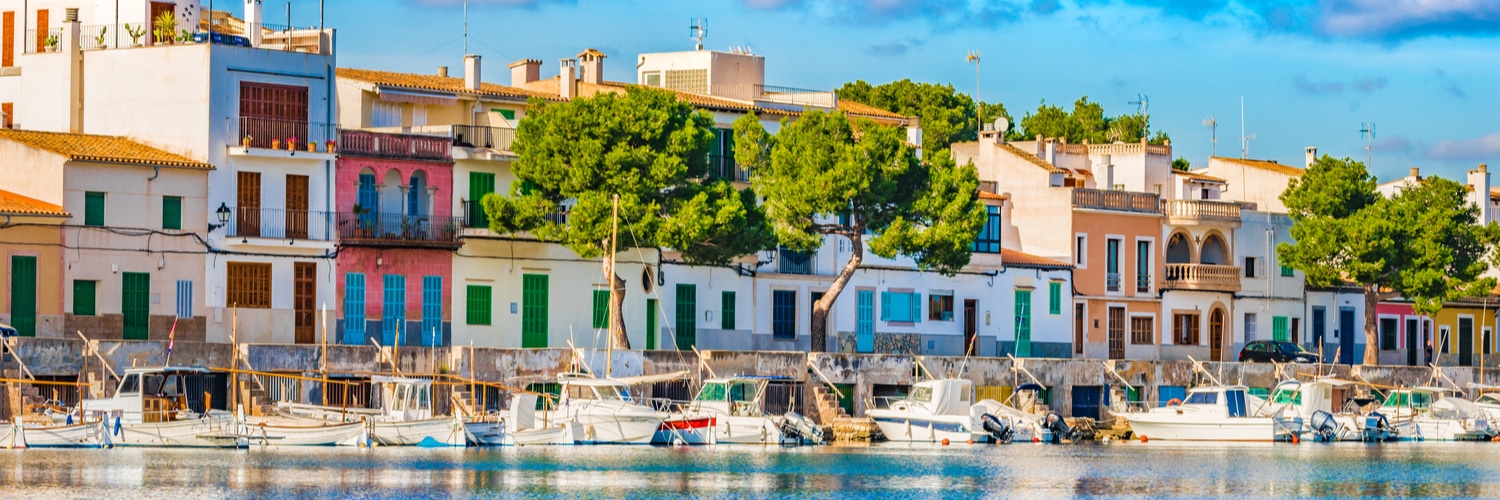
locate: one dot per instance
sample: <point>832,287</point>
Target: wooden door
<point>1080,327</point>
<point>1216,335</point>
<point>247,221</point>
<point>23,294</point>
<point>41,30</point>
<point>7,39</point>
<point>304,297</point>
<point>1116,333</point>
<point>135,305</point>
<point>971,326</point>
<point>296,206</point>
<point>157,9</point>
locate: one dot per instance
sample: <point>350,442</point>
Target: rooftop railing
<point>401,146</point>
<point>221,31</point>
<point>1119,201</point>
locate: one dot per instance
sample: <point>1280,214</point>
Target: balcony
<point>1186,212</point>
<point>274,133</point>
<point>398,230</point>
<point>724,167</point>
<point>1143,283</point>
<point>277,223</point>
<point>475,218</point>
<point>478,136</point>
<point>794,262</point>
<point>395,146</point>
<point>1116,201</point>
<point>1202,277</point>
<point>221,30</point>
<point>1112,282</point>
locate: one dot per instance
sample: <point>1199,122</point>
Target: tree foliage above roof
<point>1086,122</point>
<point>947,116</point>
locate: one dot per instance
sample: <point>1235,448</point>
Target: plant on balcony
<point>291,144</point>
<point>135,32</point>
<point>312,146</point>
<point>331,146</point>
<point>99,39</point>
<point>275,143</point>
<point>817,167</point>
<point>185,36</point>
<point>166,27</point>
<point>51,43</point>
<point>1425,244</point>
<point>645,146</point>
<point>246,140</point>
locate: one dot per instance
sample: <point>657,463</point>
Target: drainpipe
<point>328,112</point>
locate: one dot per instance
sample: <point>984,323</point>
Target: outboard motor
<point>1377,428</point>
<point>1058,426</point>
<point>996,428</point>
<point>796,428</point>
<point>1324,426</point>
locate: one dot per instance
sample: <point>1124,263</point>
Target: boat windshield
<point>1489,398</point>
<point>612,393</point>
<point>1418,400</point>
<point>711,392</point>
<point>1202,398</point>
<point>742,391</point>
<point>921,394</point>
<point>1284,396</point>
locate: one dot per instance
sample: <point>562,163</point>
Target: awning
<point>392,95</point>
<point>652,379</point>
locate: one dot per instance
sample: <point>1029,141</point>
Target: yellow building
<point>30,252</point>
<point>1464,331</point>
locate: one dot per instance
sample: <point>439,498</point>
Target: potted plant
<point>99,39</point>
<point>166,27</point>
<point>331,146</point>
<point>51,43</point>
<point>245,141</point>
<point>362,225</point>
<point>135,32</point>
<point>275,143</point>
<point>291,144</point>
<point>312,146</point>
<point>185,37</point>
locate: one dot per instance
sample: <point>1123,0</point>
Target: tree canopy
<point>1086,122</point>
<point>947,116</point>
<point>648,148</point>
<point>1424,244</point>
<point>821,178</point>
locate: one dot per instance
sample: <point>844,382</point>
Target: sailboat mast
<point>614,237</point>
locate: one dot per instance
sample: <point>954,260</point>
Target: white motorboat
<point>1213,413</point>
<point>520,427</point>
<point>1312,403</point>
<point>151,408</point>
<point>737,406</point>
<point>602,411</point>
<point>1430,414</point>
<point>281,431</point>
<point>944,409</point>
<point>92,433</point>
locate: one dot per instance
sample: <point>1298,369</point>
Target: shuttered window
<point>247,197</point>
<point>171,212</point>
<point>864,328</point>
<point>726,312</point>
<point>354,308</point>
<point>1279,329</point>
<point>601,308</point>
<point>687,315</point>
<point>652,310</point>
<point>783,314</point>
<point>93,209</point>
<point>477,305</point>
<point>1054,298</point>
<point>393,310</point>
<point>269,111</point>
<point>480,184</point>
<point>23,294</point>
<point>249,285</point>
<point>7,39</point>
<point>534,310</point>
<point>135,304</point>
<point>432,310</point>
<point>1023,323</point>
<point>900,307</point>
<point>184,298</point>
<point>84,297</point>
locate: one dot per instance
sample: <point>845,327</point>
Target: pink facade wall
<point>1401,311</point>
<point>438,174</point>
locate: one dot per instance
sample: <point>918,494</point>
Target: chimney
<point>471,72</point>
<point>567,84</point>
<point>1415,173</point>
<point>70,44</point>
<point>1312,155</point>
<point>591,66</point>
<point>253,20</point>
<point>443,71</point>
<point>1479,180</point>
<point>525,71</point>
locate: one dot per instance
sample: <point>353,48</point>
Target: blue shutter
<point>354,309</point>
<point>432,310</point>
<point>184,298</point>
<point>864,331</point>
<point>916,308</point>
<point>885,306</point>
<point>393,310</point>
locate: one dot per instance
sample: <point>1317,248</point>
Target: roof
<point>437,83</point>
<point>101,148</point>
<point>1050,168</point>
<point>986,195</point>
<point>855,108</point>
<point>1013,258</point>
<point>590,52</point>
<point>1263,165</point>
<point>15,204</point>
<point>1199,176</point>
<point>1495,193</point>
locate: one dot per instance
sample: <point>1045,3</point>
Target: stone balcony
<point>1201,212</point>
<point>1116,201</point>
<point>1203,277</point>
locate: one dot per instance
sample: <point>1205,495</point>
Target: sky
<point>1309,72</point>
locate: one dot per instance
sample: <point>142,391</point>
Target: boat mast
<point>614,236</point>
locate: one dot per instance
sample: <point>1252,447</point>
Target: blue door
<point>864,335</point>
<point>393,311</point>
<point>1087,401</point>
<point>1320,331</point>
<point>1346,336</point>
<point>432,310</point>
<point>354,309</point>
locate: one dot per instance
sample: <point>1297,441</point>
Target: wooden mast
<point>614,236</point>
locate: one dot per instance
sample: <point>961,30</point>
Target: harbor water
<point>879,471</point>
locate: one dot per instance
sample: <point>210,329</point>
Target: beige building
<point>30,248</point>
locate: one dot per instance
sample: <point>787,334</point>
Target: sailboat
<point>150,407</point>
<point>405,416</point>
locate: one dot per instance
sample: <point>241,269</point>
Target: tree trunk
<point>821,307</point>
<point>1372,335</point>
<point>617,335</point>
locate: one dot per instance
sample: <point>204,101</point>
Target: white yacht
<point>602,411</point>
<point>151,408</point>
<point>1430,414</point>
<point>1213,413</point>
<point>737,405</point>
<point>520,427</point>
<point>941,409</point>
<point>1312,403</point>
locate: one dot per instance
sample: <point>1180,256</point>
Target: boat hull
<point>923,429</point>
<point>685,431</point>
<point>746,430</point>
<point>86,435</point>
<point>615,429</point>
<point>292,434</point>
<point>1235,429</point>
<point>197,433</point>
<point>442,431</point>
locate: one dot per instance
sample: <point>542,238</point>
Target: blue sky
<point>1310,71</point>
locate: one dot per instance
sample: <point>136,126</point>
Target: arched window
<point>1215,252</point>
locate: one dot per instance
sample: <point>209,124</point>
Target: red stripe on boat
<point>692,423</point>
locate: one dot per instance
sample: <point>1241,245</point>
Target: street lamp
<point>223,213</point>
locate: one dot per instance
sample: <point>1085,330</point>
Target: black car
<point>1278,351</point>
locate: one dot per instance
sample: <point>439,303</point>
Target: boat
<point>405,416</point>
<point>1312,402</point>
<point>151,407</point>
<point>281,431</point>
<point>520,427</point>
<point>92,433</point>
<point>737,405</point>
<point>601,411</point>
<point>1431,414</point>
<point>1213,413</point>
<point>943,410</point>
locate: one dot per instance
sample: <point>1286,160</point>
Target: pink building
<point>1404,335</point>
<point>397,236</point>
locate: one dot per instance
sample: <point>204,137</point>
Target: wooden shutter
<point>432,310</point>
<point>354,308</point>
<point>534,310</point>
<point>7,39</point>
<point>269,111</point>
<point>171,212</point>
<point>93,209</point>
<point>478,305</point>
<point>248,200</point>
<point>916,308</point>
<point>296,206</point>
<point>83,298</point>
<point>601,308</point>
<point>480,184</point>
<point>23,294</point>
<point>726,312</point>
<point>184,298</point>
<point>651,328</point>
<point>687,315</point>
<point>304,301</point>
<point>249,285</point>
<point>41,29</point>
<point>135,302</point>
<point>393,310</point>
<point>10,114</point>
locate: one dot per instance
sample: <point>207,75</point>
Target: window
<point>1279,331</point>
<point>1143,266</point>
<point>354,308</point>
<point>1112,264</point>
<point>535,308</point>
<point>601,308</point>
<point>726,311</point>
<point>135,304</point>
<point>1142,330</point>
<point>393,310</point>
<point>93,208</point>
<point>1487,340</point>
<point>794,262</point>
<point>247,198</point>
<point>269,111</point>
<point>478,305</point>
<point>688,80</point>
<point>902,307</point>
<point>988,240</point>
<point>1443,337</point>
<point>480,184</point>
<point>687,316</point>
<point>8,40</point>
<point>249,285</point>
<point>1250,326</point>
<point>784,314</point>
<point>940,306</point>
<point>1054,298</point>
<point>1023,323</point>
<point>1250,267</point>
<point>83,297</point>
<point>864,327</point>
<point>1204,194</point>
<point>1287,272</point>
<point>171,212</point>
<point>1185,329</point>
<point>184,298</point>
<point>385,114</point>
<point>652,79</point>
<point>1080,251</point>
<point>1388,334</point>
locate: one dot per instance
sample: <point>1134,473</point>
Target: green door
<point>1023,323</point>
<point>687,312</point>
<point>23,294</point>
<point>135,304</point>
<point>651,324</point>
<point>534,310</point>
<point>480,184</point>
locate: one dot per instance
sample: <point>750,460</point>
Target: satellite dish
<point>1002,125</point>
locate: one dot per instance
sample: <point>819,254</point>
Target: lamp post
<point>223,214</point>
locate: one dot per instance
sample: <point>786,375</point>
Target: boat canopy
<point>386,379</point>
<point>949,396</point>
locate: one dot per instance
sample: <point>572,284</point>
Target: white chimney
<point>1479,180</point>
<point>591,66</point>
<point>1312,156</point>
<point>443,71</point>
<point>253,20</point>
<point>567,84</point>
<point>70,43</point>
<point>471,72</point>
<point>525,71</point>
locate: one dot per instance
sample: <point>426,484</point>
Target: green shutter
<point>534,310</point>
<point>171,212</point>
<point>480,184</point>
<point>726,313</point>
<point>601,308</point>
<point>1287,271</point>
<point>1279,329</point>
<point>479,305</point>
<point>83,298</point>
<point>1054,295</point>
<point>651,312</point>
<point>135,305</point>
<point>23,294</point>
<point>93,209</point>
<point>687,314</point>
<point>1023,323</point>
<point>509,114</point>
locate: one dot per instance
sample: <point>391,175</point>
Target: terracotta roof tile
<point>437,83</point>
<point>15,204</point>
<point>101,148</point>
<point>1050,168</point>
<point>1013,258</point>
<point>855,108</point>
<point>986,195</point>
<point>1198,176</point>
<point>1263,165</point>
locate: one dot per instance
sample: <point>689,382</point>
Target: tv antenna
<point>466,27</point>
<point>1367,132</point>
<point>697,29</point>
<point>1244,139</point>
<point>1213,126</point>
<point>978,103</point>
<point>1143,106</point>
